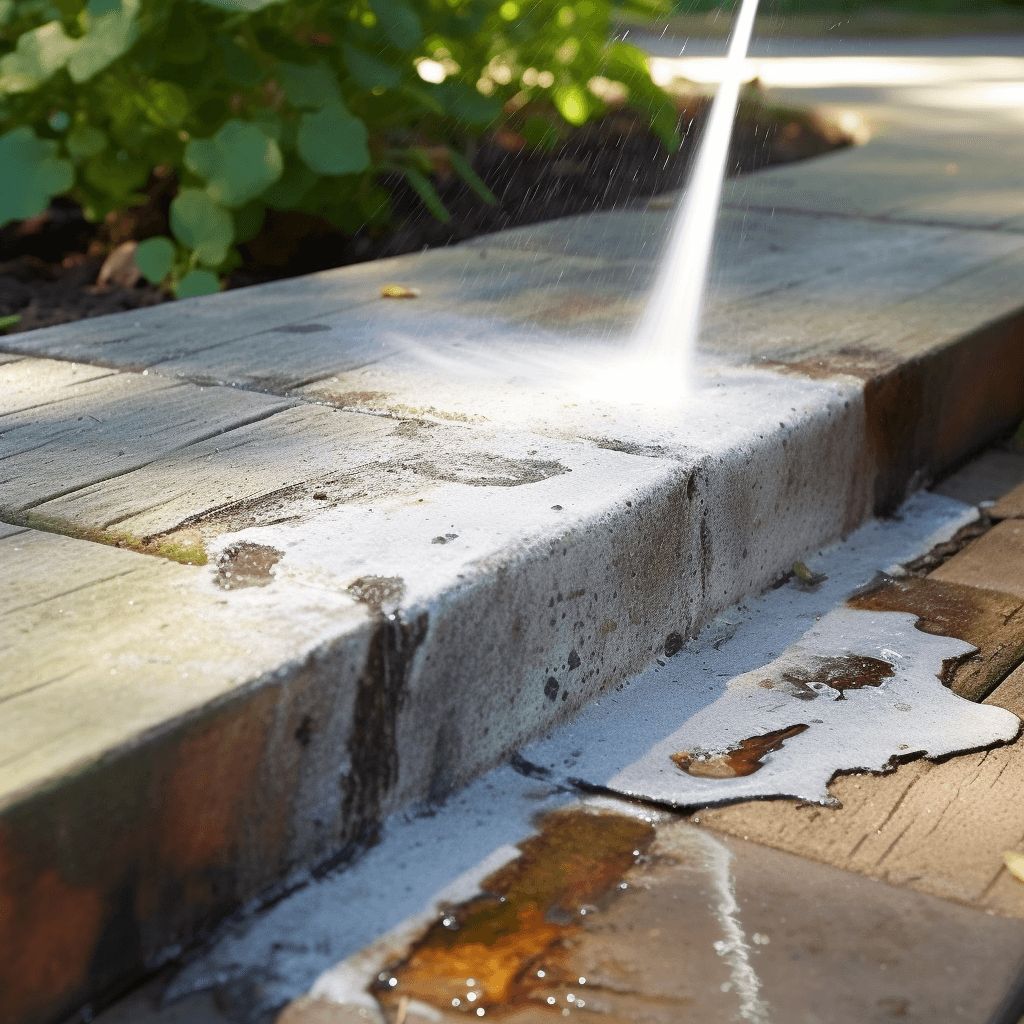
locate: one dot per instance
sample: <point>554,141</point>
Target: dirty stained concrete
<point>786,962</point>
<point>315,401</point>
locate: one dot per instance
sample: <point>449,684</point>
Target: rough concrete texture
<point>396,885</point>
<point>168,748</point>
<point>536,546</point>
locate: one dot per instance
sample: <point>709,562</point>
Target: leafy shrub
<point>282,104</point>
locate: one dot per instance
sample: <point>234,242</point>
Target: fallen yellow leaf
<point>805,575</point>
<point>399,291</point>
<point>1015,864</point>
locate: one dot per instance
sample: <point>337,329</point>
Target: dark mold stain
<point>743,759</point>
<point>574,660</point>
<point>378,592</point>
<point>304,732</point>
<point>673,644</point>
<point>246,565</point>
<point>502,949</point>
<point>445,539</point>
<point>653,451</point>
<point>551,688</point>
<point>528,768</point>
<point>373,742</point>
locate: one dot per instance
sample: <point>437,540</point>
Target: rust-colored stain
<point>501,949</point>
<point>988,619</point>
<point>101,874</point>
<point>743,759</point>
<point>47,933</point>
<point>846,672</point>
<point>206,790</point>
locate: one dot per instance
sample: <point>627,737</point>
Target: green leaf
<point>7,322</point>
<point>572,103</point>
<point>308,86</point>
<point>248,221</point>
<point>333,141</point>
<point>116,177</point>
<point>238,163</point>
<point>629,65</point>
<point>199,223</point>
<point>185,41</point>
<point>39,54</point>
<point>368,71</point>
<point>291,188</point>
<point>197,282</point>
<point>166,104</point>
<point>427,193</point>
<point>154,257</point>
<point>270,124</point>
<point>465,171</point>
<point>85,141</point>
<point>466,105</point>
<point>240,67</point>
<point>107,38</point>
<point>400,23</point>
<point>32,174</point>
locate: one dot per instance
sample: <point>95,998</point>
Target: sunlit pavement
<point>942,155</point>
<point>939,120</point>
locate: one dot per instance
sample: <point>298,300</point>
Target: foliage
<point>843,7</point>
<point>283,104</point>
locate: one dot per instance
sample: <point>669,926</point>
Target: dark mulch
<point>49,264</point>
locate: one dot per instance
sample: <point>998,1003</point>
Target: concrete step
<point>419,552</point>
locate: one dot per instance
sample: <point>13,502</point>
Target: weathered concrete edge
<point>878,447</point>
<point>122,864</point>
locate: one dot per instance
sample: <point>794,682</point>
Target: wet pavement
<point>850,904</point>
<point>525,899</point>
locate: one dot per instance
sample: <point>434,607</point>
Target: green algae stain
<point>174,551</point>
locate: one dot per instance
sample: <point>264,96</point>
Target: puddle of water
<point>839,674</point>
<point>501,949</point>
<point>743,759</point>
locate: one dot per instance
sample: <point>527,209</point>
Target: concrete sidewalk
<point>420,553</point>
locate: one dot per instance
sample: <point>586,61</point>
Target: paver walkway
<point>411,568</point>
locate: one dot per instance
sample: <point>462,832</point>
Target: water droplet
<point>392,982</point>
<point>541,974</point>
<point>456,1002</point>
<point>470,982</point>
<point>471,997</point>
<point>583,981</point>
<point>551,1000</point>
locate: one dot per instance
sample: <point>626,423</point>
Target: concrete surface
<point>440,565</point>
<point>937,831</point>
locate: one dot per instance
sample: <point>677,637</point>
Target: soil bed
<point>58,267</point>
